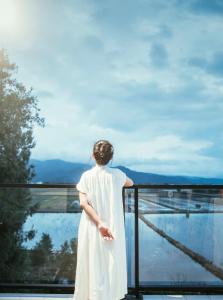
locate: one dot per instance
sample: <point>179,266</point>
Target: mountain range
<point>60,171</point>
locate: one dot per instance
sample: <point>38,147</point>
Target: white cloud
<point>92,69</point>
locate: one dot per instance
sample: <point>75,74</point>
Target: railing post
<point>123,201</point>
<point>136,242</point>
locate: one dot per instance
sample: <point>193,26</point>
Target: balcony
<point>173,236</point>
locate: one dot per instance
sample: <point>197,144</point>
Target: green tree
<point>43,251</point>
<point>43,260</point>
<point>19,113</point>
<point>66,260</point>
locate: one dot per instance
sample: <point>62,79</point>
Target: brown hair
<point>103,151</point>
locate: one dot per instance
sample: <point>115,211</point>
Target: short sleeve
<point>123,177</point>
<point>81,186</point>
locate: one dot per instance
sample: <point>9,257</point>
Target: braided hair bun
<point>103,151</point>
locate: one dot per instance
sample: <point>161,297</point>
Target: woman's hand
<point>105,231</point>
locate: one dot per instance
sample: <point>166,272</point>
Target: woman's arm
<point>104,230</point>
<point>89,209</point>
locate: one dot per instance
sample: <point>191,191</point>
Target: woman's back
<point>106,267</point>
<point>103,186</point>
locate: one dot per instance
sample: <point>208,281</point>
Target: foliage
<point>18,114</point>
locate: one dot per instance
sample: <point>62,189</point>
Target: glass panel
<point>130,234</point>
<point>38,235</point>
<point>180,240</point>
<point>180,237</point>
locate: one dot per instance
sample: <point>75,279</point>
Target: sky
<point>145,74</point>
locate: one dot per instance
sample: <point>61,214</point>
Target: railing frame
<point>138,290</point>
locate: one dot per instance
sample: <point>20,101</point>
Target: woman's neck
<point>100,166</point>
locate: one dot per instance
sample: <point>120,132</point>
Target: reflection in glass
<point>39,233</point>
<point>179,236</point>
<point>180,240</point>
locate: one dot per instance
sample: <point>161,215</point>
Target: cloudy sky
<point>145,74</point>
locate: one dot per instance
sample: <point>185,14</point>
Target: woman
<point>101,272</point>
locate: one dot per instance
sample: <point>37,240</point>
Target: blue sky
<point>146,75</point>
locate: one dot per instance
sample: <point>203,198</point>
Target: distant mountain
<point>57,171</point>
<point>60,171</point>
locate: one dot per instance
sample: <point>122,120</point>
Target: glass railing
<point>173,236</point>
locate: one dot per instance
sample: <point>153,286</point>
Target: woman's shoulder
<point>85,174</point>
<point>117,171</point>
<point>120,176</point>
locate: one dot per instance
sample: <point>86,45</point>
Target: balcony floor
<point>17,296</point>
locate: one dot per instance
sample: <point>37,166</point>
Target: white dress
<point>101,271</point>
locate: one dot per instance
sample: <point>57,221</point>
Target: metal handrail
<point>141,186</point>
